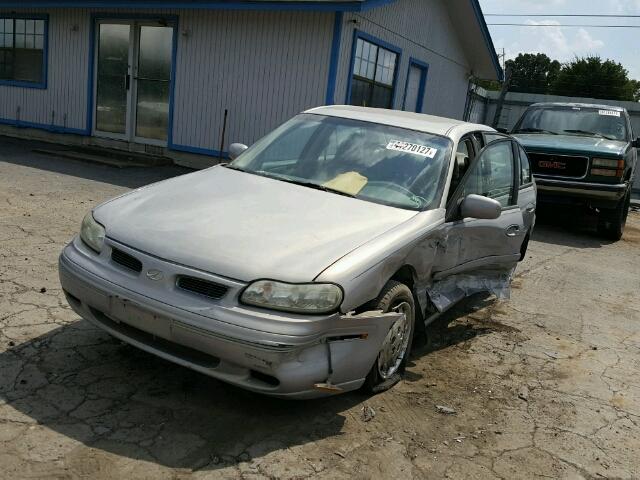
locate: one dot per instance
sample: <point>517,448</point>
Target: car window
<point>492,137</point>
<point>525,167</point>
<point>492,175</point>
<point>465,153</point>
<point>370,161</point>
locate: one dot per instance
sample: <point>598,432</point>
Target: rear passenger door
<point>477,244</point>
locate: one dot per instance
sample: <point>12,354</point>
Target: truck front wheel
<point>612,221</point>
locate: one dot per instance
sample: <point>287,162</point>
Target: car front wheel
<point>612,222</point>
<point>394,352</point>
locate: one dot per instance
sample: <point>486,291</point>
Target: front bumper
<point>584,191</point>
<point>272,353</point>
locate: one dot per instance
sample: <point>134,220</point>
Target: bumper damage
<point>331,360</point>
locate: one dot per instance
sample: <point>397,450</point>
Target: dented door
<point>470,245</point>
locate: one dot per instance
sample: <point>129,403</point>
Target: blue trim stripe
<point>45,52</point>
<point>381,43</point>
<point>326,6</point>
<point>424,67</point>
<point>42,126</point>
<point>335,56</point>
<point>174,56</point>
<point>475,4</point>
<point>200,151</point>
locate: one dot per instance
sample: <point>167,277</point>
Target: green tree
<point>533,72</point>
<point>634,90</point>
<point>593,77</point>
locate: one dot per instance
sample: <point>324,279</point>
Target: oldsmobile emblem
<point>155,275</point>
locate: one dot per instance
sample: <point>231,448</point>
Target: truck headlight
<point>310,298</point>
<point>607,167</point>
<point>92,233</point>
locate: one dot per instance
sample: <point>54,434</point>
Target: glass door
<point>113,80</point>
<point>133,81</point>
<point>152,76</point>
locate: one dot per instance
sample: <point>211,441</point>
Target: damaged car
<point>305,266</point>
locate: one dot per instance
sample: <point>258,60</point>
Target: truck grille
<point>558,165</point>
<point>202,287</point>
<point>126,260</point>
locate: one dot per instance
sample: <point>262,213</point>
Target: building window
<point>22,51</point>
<point>374,75</point>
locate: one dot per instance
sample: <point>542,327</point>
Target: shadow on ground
<point>568,226</point>
<point>93,389</point>
<point>20,152</point>
<point>85,385</point>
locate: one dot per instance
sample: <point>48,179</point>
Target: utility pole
<point>503,96</point>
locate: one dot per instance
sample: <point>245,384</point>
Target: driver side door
<point>470,245</point>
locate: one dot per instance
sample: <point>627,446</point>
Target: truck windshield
<point>369,161</point>
<point>595,122</point>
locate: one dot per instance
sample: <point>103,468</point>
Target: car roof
<point>447,127</point>
<point>614,108</point>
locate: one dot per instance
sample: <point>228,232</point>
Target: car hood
<point>572,143</point>
<point>245,226</point>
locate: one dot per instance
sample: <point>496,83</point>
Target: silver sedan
<point>304,267</point>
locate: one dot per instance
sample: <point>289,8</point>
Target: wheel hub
<point>396,343</point>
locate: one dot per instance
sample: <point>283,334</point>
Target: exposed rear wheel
<point>394,353</point>
<point>612,221</point>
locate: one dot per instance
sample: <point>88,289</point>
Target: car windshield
<point>595,122</point>
<point>369,161</point>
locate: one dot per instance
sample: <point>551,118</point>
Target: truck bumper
<point>596,194</point>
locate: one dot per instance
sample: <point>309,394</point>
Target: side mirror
<point>636,143</point>
<point>235,149</point>
<point>483,208</point>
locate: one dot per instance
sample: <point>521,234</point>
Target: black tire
<point>612,221</point>
<point>524,247</point>
<point>393,295</point>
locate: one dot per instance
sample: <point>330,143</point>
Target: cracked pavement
<point>546,385</point>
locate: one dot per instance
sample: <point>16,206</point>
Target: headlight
<point>607,167</point>
<point>92,233</point>
<point>313,298</point>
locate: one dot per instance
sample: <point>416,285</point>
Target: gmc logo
<point>554,165</point>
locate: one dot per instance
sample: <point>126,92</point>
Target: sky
<point>564,44</point>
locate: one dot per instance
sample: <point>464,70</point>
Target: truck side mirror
<point>636,143</point>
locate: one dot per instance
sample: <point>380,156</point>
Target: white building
<point>167,76</point>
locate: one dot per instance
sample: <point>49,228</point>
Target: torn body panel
<point>454,288</point>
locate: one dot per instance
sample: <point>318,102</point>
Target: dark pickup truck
<point>583,155</point>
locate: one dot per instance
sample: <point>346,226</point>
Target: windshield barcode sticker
<point>609,113</point>
<point>413,148</point>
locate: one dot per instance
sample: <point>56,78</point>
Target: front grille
<point>202,287</point>
<point>558,165</point>
<point>126,260</point>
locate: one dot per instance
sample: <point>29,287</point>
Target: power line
<point>558,25</point>
<point>558,15</point>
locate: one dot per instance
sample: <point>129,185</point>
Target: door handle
<point>512,230</point>
<point>531,208</point>
<point>127,81</point>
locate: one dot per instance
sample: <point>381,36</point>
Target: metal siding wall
<point>263,67</point>
<point>66,92</point>
<point>413,25</point>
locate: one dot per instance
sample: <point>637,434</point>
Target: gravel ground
<point>546,385</point>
